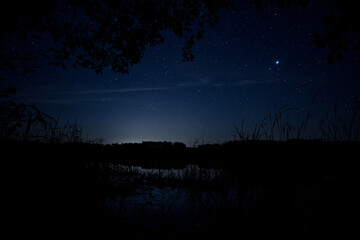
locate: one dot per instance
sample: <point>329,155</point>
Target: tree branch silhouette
<point>341,30</point>
<point>97,34</point>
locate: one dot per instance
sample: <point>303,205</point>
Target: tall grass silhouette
<point>23,122</point>
<point>275,126</point>
<point>334,127</point>
<point>279,125</point>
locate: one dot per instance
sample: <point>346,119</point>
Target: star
<point>277,62</point>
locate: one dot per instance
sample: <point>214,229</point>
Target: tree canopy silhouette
<point>97,34</point>
<point>341,29</point>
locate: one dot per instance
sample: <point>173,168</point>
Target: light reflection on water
<point>178,206</point>
<point>201,197</point>
<point>192,171</point>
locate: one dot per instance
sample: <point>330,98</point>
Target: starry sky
<point>253,61</point>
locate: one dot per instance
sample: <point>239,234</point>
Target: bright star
<point>277,62</point>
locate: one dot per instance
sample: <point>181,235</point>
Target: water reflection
<point>190,171</point>
<point>180,200</point>
<point>196,200</point>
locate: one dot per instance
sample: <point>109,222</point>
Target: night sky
<point>253,61</point>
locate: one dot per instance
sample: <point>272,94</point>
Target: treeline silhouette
<point>231,155</point>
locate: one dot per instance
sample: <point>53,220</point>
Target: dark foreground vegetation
<point>294,188</point>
